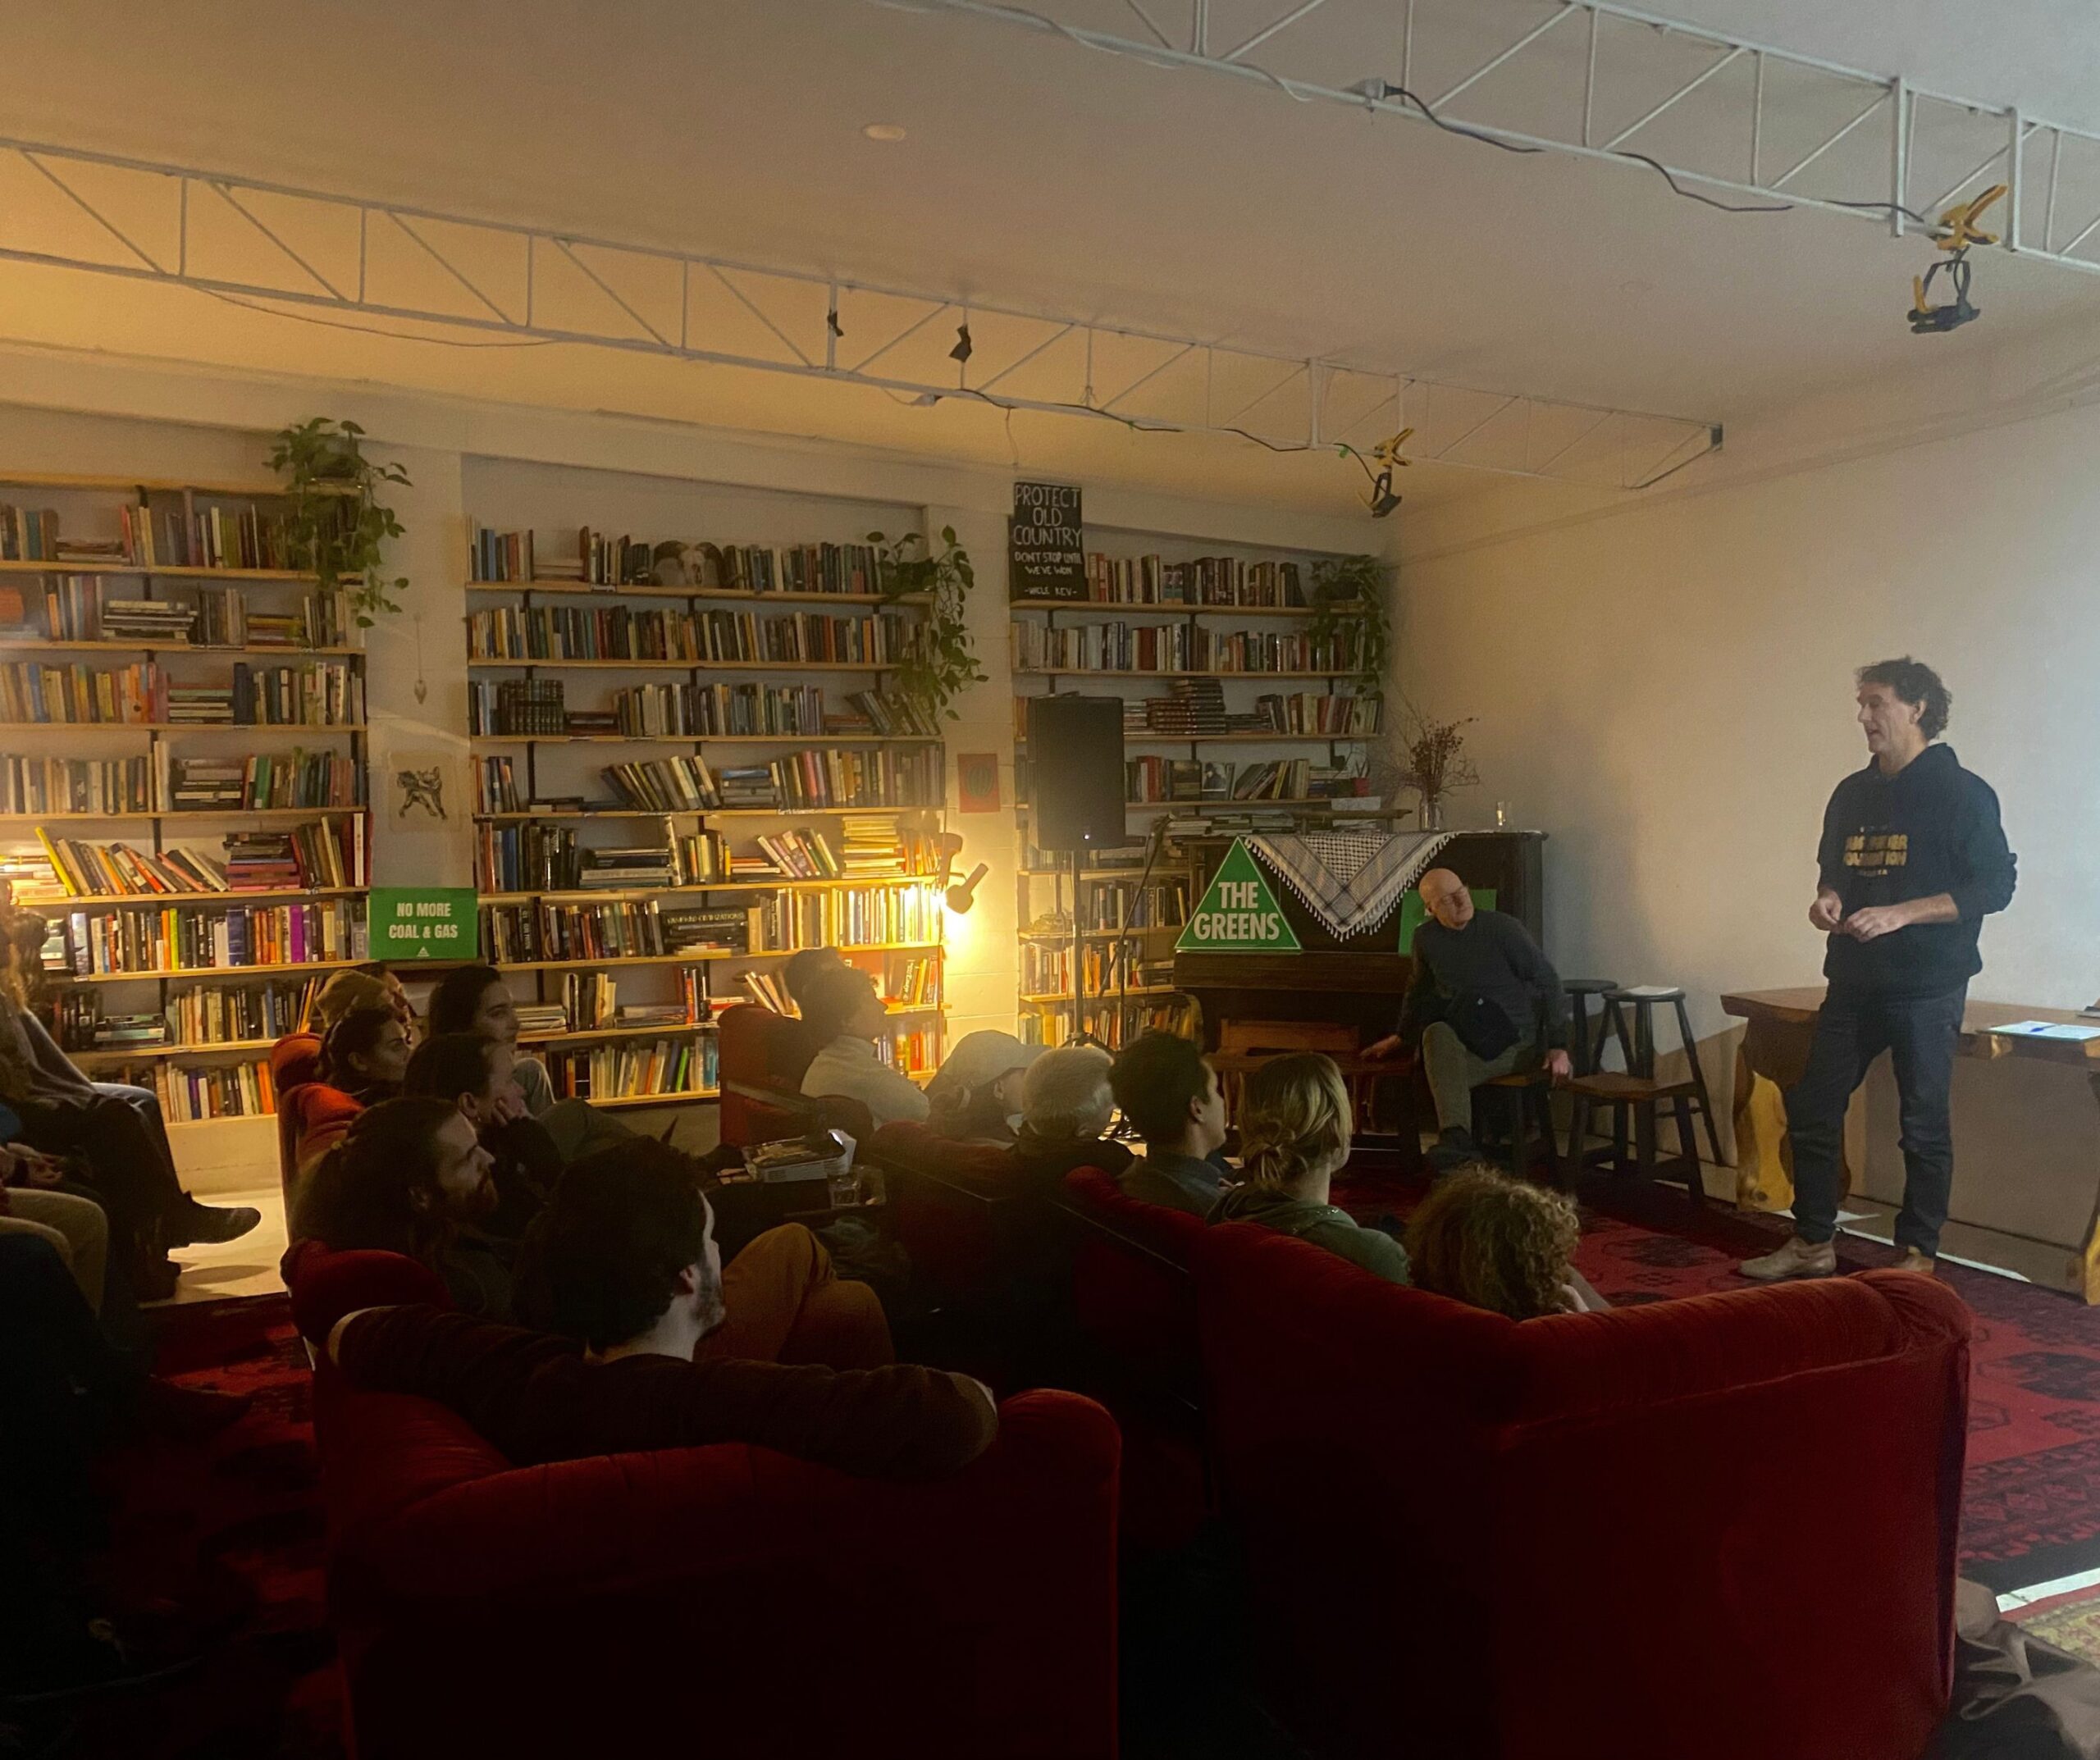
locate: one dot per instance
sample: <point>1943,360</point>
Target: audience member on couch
<point>474,1073</point>
<point>1293,1138</point>
<point>76,1227</point>
<point>845,1018</point>
<point>365,1054</point>
<point>347,991</point>
<point>625,1262</point>
<point>975,1096</point>
<point>1066,1106</point>
<point>411,1177</point>
<point>475,998</point>
<point>802,970</point>
<point>1168,1092</point>
<point>1503,1244</point>
<point>116,1133</point>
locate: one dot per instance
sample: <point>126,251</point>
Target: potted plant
<point>1349,604</point>
<point>338,525</point>
<point>941,662</point>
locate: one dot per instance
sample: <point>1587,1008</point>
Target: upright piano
<point>1359,982</point>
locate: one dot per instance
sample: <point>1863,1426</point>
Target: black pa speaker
<point>1076,771</point>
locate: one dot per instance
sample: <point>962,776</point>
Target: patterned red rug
<point>235,1533</point>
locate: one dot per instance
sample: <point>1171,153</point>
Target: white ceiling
<point>1037,172</point>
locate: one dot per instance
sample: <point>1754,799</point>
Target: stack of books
<point>747,786</point>
<point>726,929</point>
<point>155,622</point>
<point>1194,707</point>
<point>627,870</point>
<point>802,855</point>
<point>536,1018</point>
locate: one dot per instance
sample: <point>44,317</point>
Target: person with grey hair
<point>1066,1105</point>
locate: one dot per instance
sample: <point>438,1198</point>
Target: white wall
<point>1667,691</point>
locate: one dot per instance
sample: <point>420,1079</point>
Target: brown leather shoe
<point>1915,1261</point>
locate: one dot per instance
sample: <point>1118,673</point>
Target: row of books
<point>90,607</point>
<point>516,705</point>
<point>542,931</point>
<point>320,693</point>
<point>210,937</point>
<point>590,1000</point>
<point>601,560</point>
<point>211,536</point>
<point>848,917</point>
<point>1114,1025</point>
<point>840,776</point>
<point>187,1093</point>
<point>1160,902</point>
<point>301,858</point>
<point>264,782</point>
<point>1175,648</point>
<point>206,1015</point>
<point>912,1051</point>
<point>907,982</point>
<point>542,632</point>
<point>1150,780</point>
<point>628,1069</point>
<point>1207,580</point>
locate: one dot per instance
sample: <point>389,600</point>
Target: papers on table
<point>2046,1029</point>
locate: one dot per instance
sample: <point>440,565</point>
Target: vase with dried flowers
<point>1431,759</point>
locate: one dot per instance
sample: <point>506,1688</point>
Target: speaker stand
<point>1080,1035</point>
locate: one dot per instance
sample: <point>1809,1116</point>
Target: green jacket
<point>1322,1224</point>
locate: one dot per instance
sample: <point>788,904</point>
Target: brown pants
<point>785,1304</point>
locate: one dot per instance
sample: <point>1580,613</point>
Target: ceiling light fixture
<point>884,131</point>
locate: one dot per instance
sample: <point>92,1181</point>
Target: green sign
<point>1239,914</point>
<point>1413,913</point>
<point>423,922</point>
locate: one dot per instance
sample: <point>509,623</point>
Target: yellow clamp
<point>1957,227</point>
<point>1387,452</point>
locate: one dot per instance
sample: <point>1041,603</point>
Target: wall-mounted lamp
<point>962,896</point>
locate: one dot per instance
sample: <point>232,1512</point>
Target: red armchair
<point>763,1056</point>
<point>727,1596</point>
<point>1618,1536</point>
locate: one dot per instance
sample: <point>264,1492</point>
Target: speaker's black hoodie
<point>1932,827</point>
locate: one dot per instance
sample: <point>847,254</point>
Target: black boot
<point>1454,1148</point>
<point>194,1224</point>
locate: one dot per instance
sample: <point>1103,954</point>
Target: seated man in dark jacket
<point>1167,1088</point>
<point>1065,1106</point>
<point>625,1259</point>
<point>1479,989</point>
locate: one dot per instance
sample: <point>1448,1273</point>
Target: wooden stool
<point>1587,1050</point>
<point>1528,1095</point>
<point>1637,1096</point>
<point>1247,1044</point>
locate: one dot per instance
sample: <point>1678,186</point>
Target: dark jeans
<point>127,1162</point>
<point>1918,1034</point>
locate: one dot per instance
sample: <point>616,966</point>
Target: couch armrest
<point>326,1285</point>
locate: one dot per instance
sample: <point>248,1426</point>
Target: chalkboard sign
<point>1045,546</point>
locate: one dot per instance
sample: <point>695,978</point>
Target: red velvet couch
<point>1721,1528</point>
<point>722,1600</point>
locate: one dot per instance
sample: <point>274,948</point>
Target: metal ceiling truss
<point>442,276</point>
<point>1728,117</point>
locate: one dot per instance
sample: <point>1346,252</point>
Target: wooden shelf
<point>1064,1000</point>
<point>634,894</point>
<point>224,1117</point>
<point>134,901</point>
<point>41,645</point>
<point>1065,936</point>
<point>712,596</point>
<point>272,491</point>
<point>1093,873</point>
<point>591,813</point>
<point>239,813</point>
<point>1104,672</point>
<point>181,727</point>
<point>694,666</point>
<point>700,956</point>
<point>579,1035</point>
<point>132,1053</point>
<point>659,1099</point>
<point>1227,808</point>
<point>1121,608</point>
<point>1021,746</point>
<point>200,973</point>
<point>481,740</point>
<point>172,572</point>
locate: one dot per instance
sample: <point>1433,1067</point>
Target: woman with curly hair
<point>1494,1243</point>
<point>1294,1127</point>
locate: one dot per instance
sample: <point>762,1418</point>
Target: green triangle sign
<point>1239,913</point>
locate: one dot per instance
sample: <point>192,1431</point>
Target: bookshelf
<point>1201,627</point>
<point>197,896</point>
<point>763,746</point>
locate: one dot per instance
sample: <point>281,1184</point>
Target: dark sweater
<point>1493,957</point>
<point>537,1399</point>
<point>1932,827</point>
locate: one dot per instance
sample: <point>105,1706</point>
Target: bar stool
<point>1528,1095</point>
<point>1636,1096</point>
<point>1587,1050</point>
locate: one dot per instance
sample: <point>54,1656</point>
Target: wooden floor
<point>245,1267</point>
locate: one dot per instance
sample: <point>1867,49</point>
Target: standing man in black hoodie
<point>1913,858</point>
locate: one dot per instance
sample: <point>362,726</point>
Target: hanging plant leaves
<point>1350,606</point>
<point>941,662</point>
<point>338,528</point>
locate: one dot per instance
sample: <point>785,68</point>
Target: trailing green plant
<point>1349,604</point>
<point>942,663</point>
<point>338,526</point>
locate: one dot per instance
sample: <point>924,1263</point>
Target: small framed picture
<point>977,781</point>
